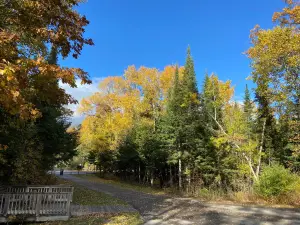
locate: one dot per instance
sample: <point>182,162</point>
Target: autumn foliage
<point>33,132</point>
<point>122,101</point>
<point>154,126</point>
<point>148,125</point>
<point>27,27</point>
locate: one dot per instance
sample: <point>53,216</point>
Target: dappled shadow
<point>187,211</point>
<point>142,202</point>
<point>161,209</point>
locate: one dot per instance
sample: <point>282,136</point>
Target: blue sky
<point>155,33</point>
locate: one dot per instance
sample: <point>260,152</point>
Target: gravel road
<point>160,209</point>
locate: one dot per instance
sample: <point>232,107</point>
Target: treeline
<point>34,125</point>
<point>155,126</point>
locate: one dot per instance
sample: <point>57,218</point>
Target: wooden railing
<point>36,203</point>
<point>39,189</point>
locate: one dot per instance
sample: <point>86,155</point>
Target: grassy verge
<point>84,196</point>
<point>209,196</point>
<point>121,219</point>
<point>244,198</point>
<point>135,186</point>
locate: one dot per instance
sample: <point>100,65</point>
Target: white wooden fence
<point>36,203</point>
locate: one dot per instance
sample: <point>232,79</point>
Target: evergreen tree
<point>52,127</point>
<point>43,142</point>
<point>248,107</point>
<point>189,82</point>
<point>172,126</point>
<point>191,137</point>
<point>248,111</point>
<point>265,123</point>
<point>52,57</point>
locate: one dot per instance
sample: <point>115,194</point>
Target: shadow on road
<point>161,209</point>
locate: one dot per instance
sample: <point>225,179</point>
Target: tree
<point>172,126</point>
<point>126,112</point>
<point>231,123</point>
<point>44,141</point>
<point>275,63</point>
<point>248,105</point>
<point>26,28</point>
<point>190,115</point>
<point>33,118</point>
<point>189,82</point>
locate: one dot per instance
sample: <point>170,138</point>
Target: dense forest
<point>156,127</point>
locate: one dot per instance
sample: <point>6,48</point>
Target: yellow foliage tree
<point>138,95</point>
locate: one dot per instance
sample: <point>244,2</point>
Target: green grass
<point>210,196</point>
<point>85,196</point>
<point>135,186</point>
<point>120,219</point>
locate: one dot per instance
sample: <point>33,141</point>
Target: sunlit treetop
<point>27,29</point>
<point>290,14</point>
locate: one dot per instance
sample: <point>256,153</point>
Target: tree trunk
<point>179,174</point>
<point>188,179</point>
<point>145,177</point>
<point>255,176</point>
<point>261,148</point>
<point>139,172</point>
<point>100,170</point>
<point>171,177</point>
<point>151,178</point>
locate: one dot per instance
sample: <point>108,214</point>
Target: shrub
<point>275,180</point>
<point>212,194</point>
<point>204,193</point>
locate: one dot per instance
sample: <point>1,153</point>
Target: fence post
<point>38,205</point>
<point>6,204</point>
<point>69,205</point>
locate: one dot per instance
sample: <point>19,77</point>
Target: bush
<point>276,181</point>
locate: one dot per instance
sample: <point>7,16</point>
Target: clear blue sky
<point>156,33</point>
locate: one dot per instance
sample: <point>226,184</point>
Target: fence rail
<point>36,203</point>
<point>38,189</point>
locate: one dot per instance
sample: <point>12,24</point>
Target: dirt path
<point>159,209</point>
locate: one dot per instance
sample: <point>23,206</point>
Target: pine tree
<point>172,127</point>
<point>248,111</point>
<point>189,78</point>
<point>248,107</point>
<point>265,123</point>
<point>190,117</point>
<point>52,58</point>
<point>176,95</point>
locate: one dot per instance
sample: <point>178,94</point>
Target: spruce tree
<point>176,99</point>
<point>248,108</point>
<point>248,111</point>
<point>189,82</point>
<point>265,125</point>
<point>52,57</point>
<point>172,128</point>
<point>190,117</point>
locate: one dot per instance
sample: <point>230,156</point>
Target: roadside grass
<point>206,195</point>
<point>244,198</point>
<point>125,219</point>
<point>135,186</point>
<point>85,196</point>
<point>101,219</point>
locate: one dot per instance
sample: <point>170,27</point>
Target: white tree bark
<point>254,173</point>
<point>179,174</point>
